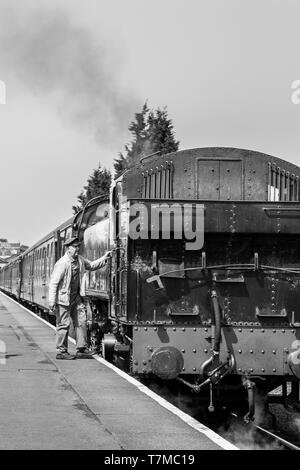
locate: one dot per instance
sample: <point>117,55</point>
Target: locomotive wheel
<point>108,347</point>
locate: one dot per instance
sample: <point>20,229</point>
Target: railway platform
<point>47,403</point>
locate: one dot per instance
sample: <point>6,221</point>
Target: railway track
<point>259,437</point>
<point>288,445</point>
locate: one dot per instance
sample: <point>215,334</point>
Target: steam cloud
<point>47,54</point>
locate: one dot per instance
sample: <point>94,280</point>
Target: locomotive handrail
<point>199,268</point>
<point>284,209</point>
<point>248,267</point>
<point>287,270</point>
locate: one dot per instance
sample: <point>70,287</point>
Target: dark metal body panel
<point>236,235</point>
<point>244,225</point>
<point>257,351</point>
<point>238,216</point>
<point>186,177</point>
<point>219,179</point>
<point>244,295</point>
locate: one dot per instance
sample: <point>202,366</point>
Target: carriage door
<point>31,276</point>
<point>45,282</point>
<point>219,179</point>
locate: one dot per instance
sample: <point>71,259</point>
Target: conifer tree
<point>98,183</point>
<point>161,133</point>
<point>152,132</point>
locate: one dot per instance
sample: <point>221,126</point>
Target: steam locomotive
<point>203,285</point>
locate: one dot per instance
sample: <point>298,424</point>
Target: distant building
<point>9,251</point>
<point>3,262</point>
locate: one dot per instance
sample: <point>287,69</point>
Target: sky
<point>76,71</point>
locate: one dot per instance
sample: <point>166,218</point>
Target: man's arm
<point>98,263</point>
<point>56,277</point>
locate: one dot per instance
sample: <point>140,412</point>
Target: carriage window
<point>91,216</point>
<point>63,237</point>
<point>51,258</point>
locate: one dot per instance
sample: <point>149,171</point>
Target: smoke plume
<point>44,52</point>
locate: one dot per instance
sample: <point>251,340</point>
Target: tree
<point>98,183</point>
<point>161,133</point>
<point>120,164</point>
<point>152,132</point>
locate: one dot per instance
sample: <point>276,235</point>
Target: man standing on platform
<point>66,289</point>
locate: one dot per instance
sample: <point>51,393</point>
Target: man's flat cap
<point>72,241</point>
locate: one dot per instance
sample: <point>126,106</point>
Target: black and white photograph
<point>150,228</point>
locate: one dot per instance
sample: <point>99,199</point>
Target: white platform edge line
<point>165,404</point>
<point>220,441</point>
